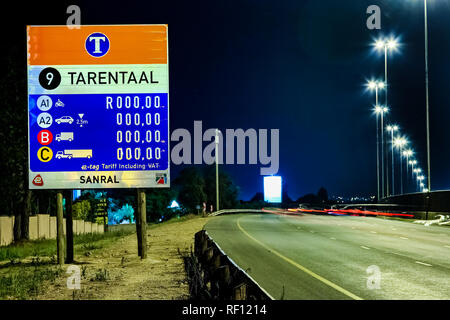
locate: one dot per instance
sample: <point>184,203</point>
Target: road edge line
<point>299,266</point>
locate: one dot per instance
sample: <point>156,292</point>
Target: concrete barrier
<point>43,226</point>
<point>80,226</point>
<point>6,230</point>
<point>87,227</point>
<point>33,228</point>
<point>43,222</point>
<point>52,227</point>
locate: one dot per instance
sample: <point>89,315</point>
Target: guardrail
<point>227,211</point>
<point>213,275</point>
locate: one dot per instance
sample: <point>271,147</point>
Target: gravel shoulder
<point>115,272</point>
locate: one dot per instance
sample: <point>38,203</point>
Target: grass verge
<point>26,265</point>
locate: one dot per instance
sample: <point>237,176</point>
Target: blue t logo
<point>97,44</point>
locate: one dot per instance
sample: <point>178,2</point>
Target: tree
<point>190,185</point>
<point>158,201</point>
<point>308,198</point>
<point>16,197</point>
<point>81,209</point>
<point>322,195</point>
<point>228,191</point>
<point>259,196</point>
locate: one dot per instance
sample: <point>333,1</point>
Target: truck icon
<point>68,136</point>
<point>78,153</point>
<point>60,155</point>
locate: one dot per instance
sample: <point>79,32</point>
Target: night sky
<point>297,66</point>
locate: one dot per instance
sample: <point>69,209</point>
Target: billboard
<point>272,189</point>
<point>98,101</point>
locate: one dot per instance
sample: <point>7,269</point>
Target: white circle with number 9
<point>44,103</point>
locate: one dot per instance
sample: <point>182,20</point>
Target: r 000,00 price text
<point>136,154</point>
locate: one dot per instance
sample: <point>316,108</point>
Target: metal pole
<point>392,142</point>
<point>382,155</point>
<point>378,148</point>
<point>426,95</point>
<point>401,171</point>
<point>382,128</point>
<point>217,169</point>
<point>407,171</point>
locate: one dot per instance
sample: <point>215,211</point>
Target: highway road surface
<point>337,257</point>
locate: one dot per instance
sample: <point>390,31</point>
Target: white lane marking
<point>365,247</point>
<point>423,263</point>
<point>398,254</point>
<point>403,238</point>
<point>373,232</point>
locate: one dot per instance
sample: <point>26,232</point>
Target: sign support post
<point>69,227</point>
<point>141,228</point>
<point>60,227</point>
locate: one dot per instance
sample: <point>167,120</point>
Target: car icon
<point>65,119</point>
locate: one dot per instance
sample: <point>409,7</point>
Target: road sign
<point>98,100</point>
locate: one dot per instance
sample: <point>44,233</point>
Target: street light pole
<point>217,169</point>
<point>382,131</point>
<point>400,143</point>
<point>401,170</point>
<point>392,128</point>
<point>386,45</point>
<point>407,153</point>
<point>383,110</point>
<point>427,96</point>
<point>392,150</point>
<point>375,85</point>
<point>378,154</point>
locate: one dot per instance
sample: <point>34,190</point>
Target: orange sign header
<point>88,45</point>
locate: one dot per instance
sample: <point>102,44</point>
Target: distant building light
<point>272,189</point>
<point>174,204</point>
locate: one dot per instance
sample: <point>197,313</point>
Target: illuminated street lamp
<point>392,129</point>
<point>407,153</point>
<point>412,163</point>
<point>387,45</point>
<point>417,171</point>
<point>379,110</point>
<point>419,180</point>
<point>400,142</point>
<point>427,104</point>
<point>376,85</point>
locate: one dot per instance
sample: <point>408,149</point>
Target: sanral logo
<point>38,181</point>
<point>97,44</point>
